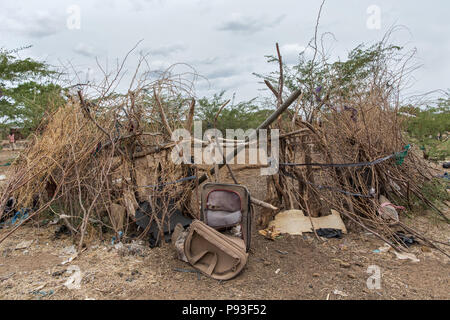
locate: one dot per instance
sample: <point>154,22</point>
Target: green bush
<point>244,115</point>
<point>430,121</point>
<point>27,91</point>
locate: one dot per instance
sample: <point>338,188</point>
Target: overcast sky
<point>224,40</point>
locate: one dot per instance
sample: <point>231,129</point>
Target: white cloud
<point>221,44</point>
<point>223,72</point>
<point>240,23</point>
<point>159,65</point>
<point>31,24</point>
<point>84,49</point>
<point>166,50</point>
<point>290,52</point>
<point>292,48</point>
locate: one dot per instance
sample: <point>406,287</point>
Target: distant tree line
<point>29,90</point>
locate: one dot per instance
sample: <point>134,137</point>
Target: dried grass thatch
<point>96,159</point>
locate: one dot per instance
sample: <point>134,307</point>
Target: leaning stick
<point>162,113</point>
<point>190,119</point>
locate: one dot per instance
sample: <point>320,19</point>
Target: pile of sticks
<point>343,151</point>
<point>97,158</point>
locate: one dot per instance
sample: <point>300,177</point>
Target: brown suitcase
<point>215,254</point>
<point>207,246</point>
<point>227,205</point>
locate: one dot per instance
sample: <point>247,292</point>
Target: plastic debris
<point>405,239</point>
<point>400,156</point>
<point>269,233</point>
<point>404,256</point>
<point>38,288</point>
<point>43,293</point>
<point>62,229</point>
<point>329,233</point>
<point>74,281</point>
<point>113,239</point>
<point>118,246</point>
<point>18,218</point>
<point>294,222</point>
<point>24,244</point>
<point>70,250</point>
<point>388,210</point>
<point>70,259</point>
<point>383,249</point>
<point>340,293</point>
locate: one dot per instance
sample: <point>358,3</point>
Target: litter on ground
<point>294,222</point>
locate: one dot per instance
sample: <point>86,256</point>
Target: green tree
<point>243,115</point>
<point>27,91</point>
<point>325,83</point>
<point>432,120</point>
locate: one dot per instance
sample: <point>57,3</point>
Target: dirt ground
<point>300,267</point>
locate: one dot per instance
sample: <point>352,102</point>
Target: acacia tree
<point>242,115</point>
<point>431,120</point>
<point>328,85</point>
<point>27,91</point>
